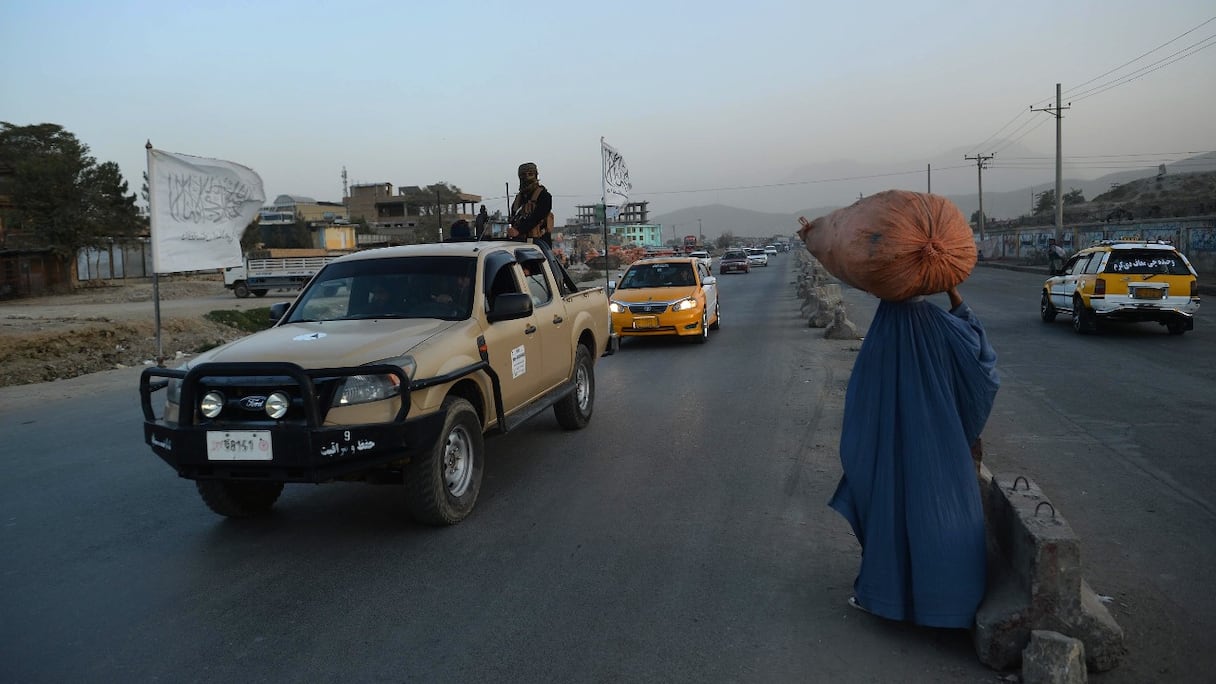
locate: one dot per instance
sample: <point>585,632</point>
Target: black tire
<point>259,293</point>
<point>442,482</point>
<point>1082,318</point>
<point>239,498</point>
<point>574,411</point>
<point>1047,310</point>
<point>1176,327</point>
<point>717,316</point>
<point>704,336</point>
<point>240,289</point>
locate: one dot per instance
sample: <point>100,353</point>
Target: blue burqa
<point>921,390</point>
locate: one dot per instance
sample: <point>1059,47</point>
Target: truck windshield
<point>402,287</point>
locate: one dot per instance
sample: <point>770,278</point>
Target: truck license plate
<point>238,445</point>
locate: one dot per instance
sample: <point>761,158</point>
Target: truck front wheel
<point>240,289</point>
<point>259,293</point>
<point>239,498</point>
<point>442,482</point>
<point>574,411</point>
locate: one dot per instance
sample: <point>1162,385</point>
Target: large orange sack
<point>895,244</point>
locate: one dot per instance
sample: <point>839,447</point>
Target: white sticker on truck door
<point>519,362</point>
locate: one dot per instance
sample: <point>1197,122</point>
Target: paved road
<point>683,536</point>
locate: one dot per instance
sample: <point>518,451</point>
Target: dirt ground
<point>102,328</point>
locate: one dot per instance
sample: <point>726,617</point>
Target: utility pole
<point>1058,113</point>
<point>438,215</point>
<point>980,160</point>
<point>929,178</point>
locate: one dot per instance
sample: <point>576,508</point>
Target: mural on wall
<point>1202,240</point>
<point>1196,239</point>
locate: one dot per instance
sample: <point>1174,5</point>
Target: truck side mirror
<point>277,310</point>
<point>510,306</point>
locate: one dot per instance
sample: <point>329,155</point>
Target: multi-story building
<point>387,212</point>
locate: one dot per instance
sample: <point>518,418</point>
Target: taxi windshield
<point>657,275</point>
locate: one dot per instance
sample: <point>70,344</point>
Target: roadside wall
<point>1194,237</point>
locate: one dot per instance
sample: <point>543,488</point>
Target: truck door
<point>550,311</point>
<point>515,347</point>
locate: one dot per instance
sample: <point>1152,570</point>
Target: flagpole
<point>160,354</point>
<point>604,208</point>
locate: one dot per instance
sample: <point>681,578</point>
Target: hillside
<point>1186,188</point>
<point>1191,194</point>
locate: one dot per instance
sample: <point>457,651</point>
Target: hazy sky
<point>708,97</point>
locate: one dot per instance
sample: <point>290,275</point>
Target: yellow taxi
<point>666,296</point>
<point>1121,280</point>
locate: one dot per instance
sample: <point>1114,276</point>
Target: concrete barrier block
<point>1053,658</point>
<point>1034,580</point>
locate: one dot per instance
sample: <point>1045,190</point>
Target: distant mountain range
<point>998,204</point>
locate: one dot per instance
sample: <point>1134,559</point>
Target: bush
<point>250,321</point>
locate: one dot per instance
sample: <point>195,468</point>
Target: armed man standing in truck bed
<point>532,210</point>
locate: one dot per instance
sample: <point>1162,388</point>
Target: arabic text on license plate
<point>1148,293</point>
<point>238,445</point>
<point>649,322</point>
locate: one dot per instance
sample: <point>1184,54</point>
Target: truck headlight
<point>212,404</point>
<point>684,304</point>
<point>277,404</point>
<point>361,389</point>
<point>616,307</point>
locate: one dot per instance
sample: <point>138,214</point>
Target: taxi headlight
<point>616,307</point>
<point>277,404</point>
<point>684,304</point>
<point>212,404</point>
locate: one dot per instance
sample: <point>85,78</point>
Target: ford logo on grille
<point>253,403</point>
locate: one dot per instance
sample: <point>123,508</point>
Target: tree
<point>1046,202</point>
<point>725,240</point>
<point>975,218</point>
<point>62,198</point>
<point>1074,196</point>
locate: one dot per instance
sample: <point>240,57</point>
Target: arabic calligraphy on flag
<point>616,177</point>
<point>199,208</point>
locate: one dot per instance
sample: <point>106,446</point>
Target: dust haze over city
<point>770,106</point>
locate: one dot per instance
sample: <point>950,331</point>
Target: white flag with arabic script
<point>616,177</point>
<point>199,208</point>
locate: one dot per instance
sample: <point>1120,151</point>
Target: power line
<point>1210,40</point>
<point>1099,89</point>
<point>1009,143</point>
<point>1129,62</point>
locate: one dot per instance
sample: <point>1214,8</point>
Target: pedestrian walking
<point>921,390</point>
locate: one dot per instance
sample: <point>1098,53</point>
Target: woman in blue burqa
<point>921,390</point>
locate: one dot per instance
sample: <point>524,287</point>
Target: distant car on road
<point>770,250</point>
<point>734,261</point>
<point>756,257</point>
<point>703,257</point>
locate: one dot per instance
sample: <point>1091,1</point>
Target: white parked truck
<point>275,269</point>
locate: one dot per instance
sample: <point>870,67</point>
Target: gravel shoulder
<point>114,326</point>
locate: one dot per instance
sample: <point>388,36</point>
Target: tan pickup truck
<point>390,366</point>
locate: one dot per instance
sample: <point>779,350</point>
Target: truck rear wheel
<point>442,482</point>
<point>240,289</point>
<point>574,411</point>
<point>239,498</point>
